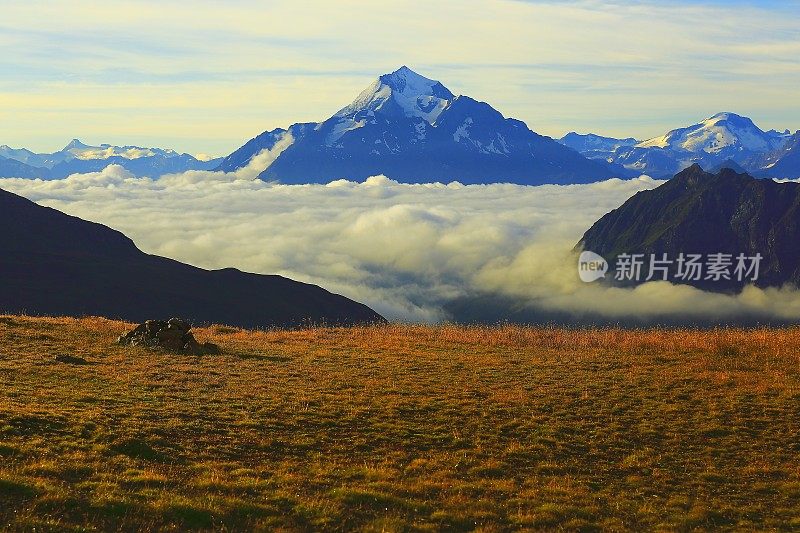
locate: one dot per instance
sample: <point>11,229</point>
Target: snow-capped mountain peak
<point>79,150</point>
<point>22,155</point>
<point>733,123</point>
<point>722,132</point>
<point>413,129</point>
<point>78,157</point>
<point>402,92</point>
<point>73,145</point>
<point>730,117</point>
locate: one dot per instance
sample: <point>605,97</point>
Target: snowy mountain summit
<point>413,129</point>
<point>401,93</point>
<point>722,132</point>
<point>721,139</point>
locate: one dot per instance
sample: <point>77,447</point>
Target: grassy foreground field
<point>400,428</point>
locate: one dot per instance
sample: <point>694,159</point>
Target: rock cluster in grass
<point>173,335</point>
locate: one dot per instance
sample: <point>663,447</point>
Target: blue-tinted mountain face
<point>595,146</point>
<point>414,129</point>
<point>17,169</point>
<point>785,161</point>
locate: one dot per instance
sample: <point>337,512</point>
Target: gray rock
<point>173,335</point>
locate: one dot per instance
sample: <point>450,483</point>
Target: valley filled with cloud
<point>428,253</point>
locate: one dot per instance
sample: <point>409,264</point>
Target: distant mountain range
<point>703,213</point>
<point>77,157</point>
<point>13,168</point>
<point>55,264</point>
<point>413,129</point>
<point>725,137</point>
<point>596,146</point>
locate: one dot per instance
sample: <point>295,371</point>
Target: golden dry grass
<point>394,428</point>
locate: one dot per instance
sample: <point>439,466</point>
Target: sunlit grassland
<point>393,428</point>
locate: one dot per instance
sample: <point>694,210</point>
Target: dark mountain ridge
<point>55,264</point>
<point>697,212</point>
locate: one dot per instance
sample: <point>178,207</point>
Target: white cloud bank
<point>408,251</point>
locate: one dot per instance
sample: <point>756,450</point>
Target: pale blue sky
<point>206,76</point>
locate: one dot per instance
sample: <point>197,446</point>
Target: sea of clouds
<point>427,252</point>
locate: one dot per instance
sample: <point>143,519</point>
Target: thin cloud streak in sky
<point>408,251</point>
